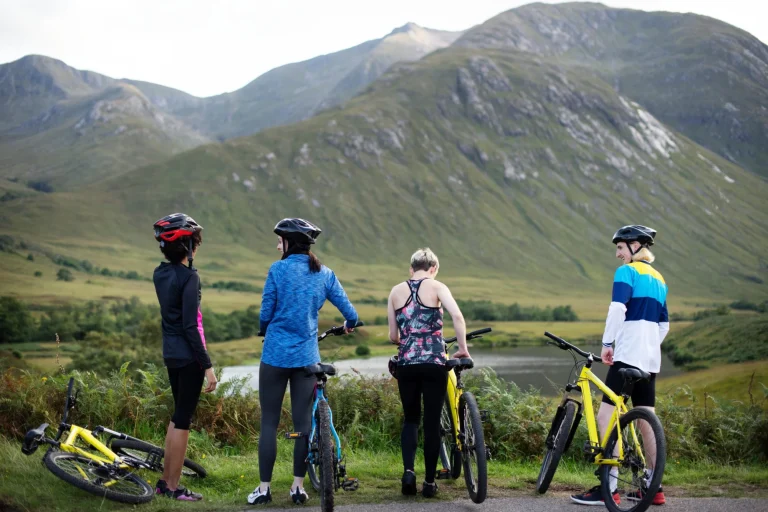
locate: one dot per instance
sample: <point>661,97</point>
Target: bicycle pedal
<point>591,451</point>
<point>485,416</point>
<point>295,435</point>
<point>350,484</point>
<point>443,474</point>
<point>154,458</point>
<point>487,453</point>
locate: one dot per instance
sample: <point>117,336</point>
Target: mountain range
<point>516,151</point>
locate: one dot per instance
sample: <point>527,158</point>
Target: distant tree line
<point>485,310</point>
<point>74,322</point>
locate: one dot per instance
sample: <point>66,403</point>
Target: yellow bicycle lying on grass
<point>640,448</point>
<point>104,469</point>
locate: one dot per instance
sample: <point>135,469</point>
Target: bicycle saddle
<point>29,445</point>
<point>634,374</point>
<point>320,369</point>
<point>465,363</point>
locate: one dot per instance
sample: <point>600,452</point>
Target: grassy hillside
<point>699,75</point>
<point>732,338</point>
<point>501,163</point>
<point>728,382</point>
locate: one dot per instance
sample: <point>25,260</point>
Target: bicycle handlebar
<point>564,345</point>
<point>338,330</point>
<point>68,405</point>
<point>470,335</point>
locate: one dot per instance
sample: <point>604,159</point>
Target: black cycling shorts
<point>186,386</point>
<point>644,392</point>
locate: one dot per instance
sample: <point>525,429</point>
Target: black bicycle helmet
<point>298,230</point>
<point>174,226</point>
<point>635,232</point>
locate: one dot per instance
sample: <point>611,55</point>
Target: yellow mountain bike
<point>461,429</point>
<point>634,443</point>
<point>87,463</point>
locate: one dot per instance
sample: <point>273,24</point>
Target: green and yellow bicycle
<point>104,469</point>
<point>461,429</point>
<point>634,443</point>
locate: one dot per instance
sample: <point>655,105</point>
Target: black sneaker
<point>182,494</point>
<point>593,497</point>
<point>299,496</point>
<point>160,487</point>
<point>259,498</point>
<point>409,483</point>
<point>429,490</point>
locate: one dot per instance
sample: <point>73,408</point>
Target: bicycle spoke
<point>100,475</point>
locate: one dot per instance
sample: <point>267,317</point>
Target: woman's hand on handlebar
<point>348,329</point>
<point>461,353</point>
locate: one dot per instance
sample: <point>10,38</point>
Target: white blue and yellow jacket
<point>638,319</point>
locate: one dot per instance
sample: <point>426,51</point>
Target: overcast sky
<point>207,47</point>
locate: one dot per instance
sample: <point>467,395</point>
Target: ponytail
<point>314,263</point>
<point>294,248</point>
<point>644,254</point>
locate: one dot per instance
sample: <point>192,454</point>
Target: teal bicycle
<point>326,465</point>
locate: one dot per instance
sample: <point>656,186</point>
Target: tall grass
<point>367,413</point>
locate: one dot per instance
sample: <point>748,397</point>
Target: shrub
<point>64,275</point>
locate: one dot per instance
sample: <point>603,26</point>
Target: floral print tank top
<point>421,331</point>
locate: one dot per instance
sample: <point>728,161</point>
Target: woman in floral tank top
<point>415,313</point>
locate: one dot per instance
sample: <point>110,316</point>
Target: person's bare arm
<point>459,325</point>
<point>394,331</point>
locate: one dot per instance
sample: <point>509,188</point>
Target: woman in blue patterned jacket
<point>296,288</point>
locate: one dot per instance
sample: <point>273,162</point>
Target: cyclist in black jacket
<point>184,351</point>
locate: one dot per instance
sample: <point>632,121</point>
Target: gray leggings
<point>272,382</point>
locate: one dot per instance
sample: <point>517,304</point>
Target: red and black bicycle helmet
<point>298,230</point>
<point>175,226</point>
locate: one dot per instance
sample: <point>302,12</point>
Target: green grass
<point>726,382</point>
<point>28,485</point>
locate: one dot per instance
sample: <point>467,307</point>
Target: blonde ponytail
<point>644,254</point>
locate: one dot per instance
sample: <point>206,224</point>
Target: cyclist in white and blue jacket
<point>636,325</point>
<point>296,288</point>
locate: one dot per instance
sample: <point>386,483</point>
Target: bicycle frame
<point>87,436</point>
<point>585,378</point>
<point>455,389</point>
<point>320,395</point>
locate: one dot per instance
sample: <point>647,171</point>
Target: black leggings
<point>413,381</point>
<point>186,386</point>
<point>272,383</point>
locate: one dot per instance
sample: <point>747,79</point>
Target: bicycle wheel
<point>641,434</point>
<point>555,449</point>
<point>140,449</point>
<point>96,478</point>
<point>327,476</point>
<point>450,457</point>
<point>473,452</point>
